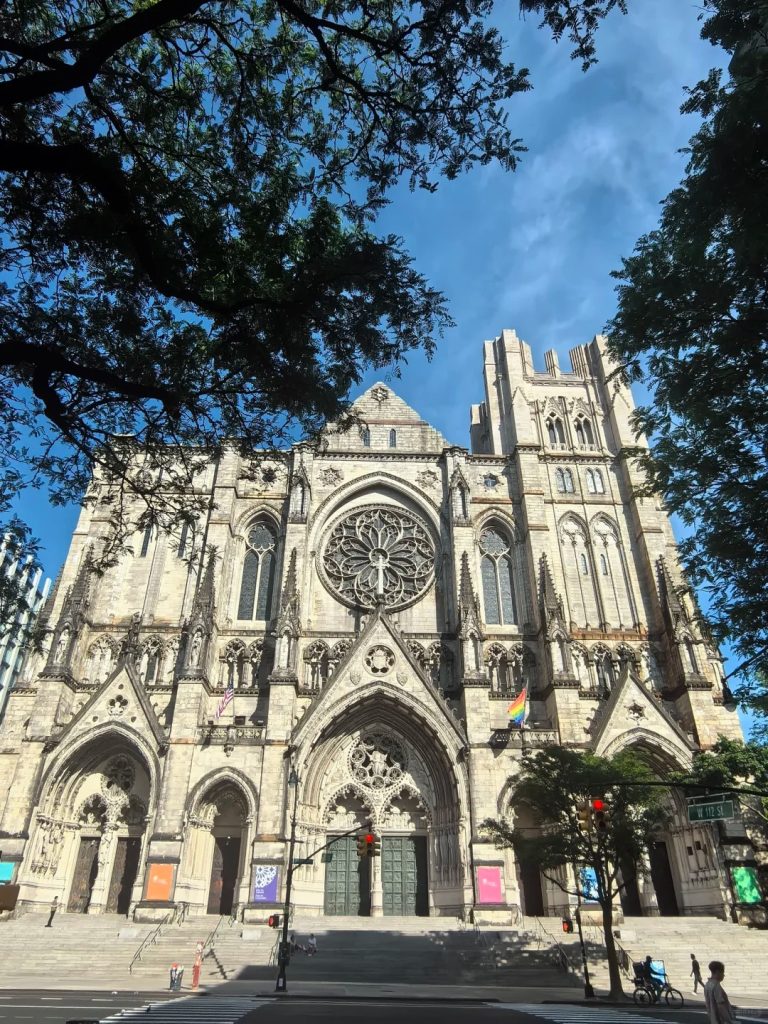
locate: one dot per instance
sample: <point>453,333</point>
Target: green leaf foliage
<point>545,831</point>
<point>188,194</point>
<point>692,321</point>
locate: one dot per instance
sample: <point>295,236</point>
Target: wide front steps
<point>415,951</point>
<point>77,946</point>
<point>231,948</point>
<point>673,939</point>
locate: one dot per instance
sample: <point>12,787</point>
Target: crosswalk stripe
<point>572,1013</point>
<point>196,1009</point>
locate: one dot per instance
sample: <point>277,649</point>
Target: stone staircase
<point>96,951</point>
<point>419,950</point>
<point>673,939</point>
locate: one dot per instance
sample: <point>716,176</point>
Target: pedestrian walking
<point>718,1005</point>
<point>311,945</point>
<point>696,973</point>
<point>54,908</point>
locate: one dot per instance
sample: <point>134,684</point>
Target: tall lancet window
<point>498,582</point>
<point>258,573</point>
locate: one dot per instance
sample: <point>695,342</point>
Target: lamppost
<point>284,953</point>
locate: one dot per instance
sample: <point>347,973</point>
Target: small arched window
<point>564,481</point>
<point>584,432</point>
<point>590,482</point>
<point>366,435</point>
<point>393,439</point>
<point>555,431</point>
<point>598,479</point>
<point>146,540</point>
<point>258,573</point>
<point>498,583</point>
<point>603,565</point>
<point>583,564</point>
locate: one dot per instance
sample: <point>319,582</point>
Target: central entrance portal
<point>347,881</point>
<point>404,876</point>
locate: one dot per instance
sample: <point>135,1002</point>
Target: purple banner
<point>265,881</point>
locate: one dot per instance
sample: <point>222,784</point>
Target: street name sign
<point>713,809</point>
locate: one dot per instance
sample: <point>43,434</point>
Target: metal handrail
<point>146,942</point>
<point>544,937</point>
<point>180,913</point>
<point>210,941</point>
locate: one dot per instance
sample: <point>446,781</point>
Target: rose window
<point>377,761</point>
<point>379,554</point>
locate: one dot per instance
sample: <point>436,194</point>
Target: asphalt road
<point>64,1007</point>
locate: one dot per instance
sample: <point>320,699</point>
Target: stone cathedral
<point>373,603</point>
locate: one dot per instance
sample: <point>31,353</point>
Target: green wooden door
<point>347,881</point>
<point>404,876</point>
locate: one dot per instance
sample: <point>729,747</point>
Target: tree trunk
<point>614,973</point>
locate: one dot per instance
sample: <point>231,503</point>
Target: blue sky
<point>534,249</point>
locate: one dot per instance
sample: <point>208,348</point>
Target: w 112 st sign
<point>710,808</point>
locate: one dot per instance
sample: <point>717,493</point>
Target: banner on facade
<point>745,884</point>
<point>265,887</point>
<point>489,885</point>
<point>160,881</point>
<point>6,871</point>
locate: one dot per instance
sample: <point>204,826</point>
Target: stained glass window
<point>258,574</point>
<point>366,438</point>
<point>498,584</point>
<point>393,439</point>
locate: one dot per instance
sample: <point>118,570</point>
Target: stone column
<point>377,888</point>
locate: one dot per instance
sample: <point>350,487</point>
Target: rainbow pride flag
<point>516,709</point>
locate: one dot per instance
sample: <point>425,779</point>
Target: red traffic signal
<point>601,814</point>
<point>273,920</point>
<point>567,925</point>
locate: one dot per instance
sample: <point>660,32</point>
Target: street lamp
<point>284,954</point>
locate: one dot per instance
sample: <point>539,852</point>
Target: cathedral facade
<point>338,641</point>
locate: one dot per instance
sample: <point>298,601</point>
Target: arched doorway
<point>89,832</point>
<point>216,850</point>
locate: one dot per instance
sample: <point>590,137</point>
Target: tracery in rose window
<point>379,554</point>
<point>377,761</point>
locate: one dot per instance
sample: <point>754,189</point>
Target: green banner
<point>745,884</point>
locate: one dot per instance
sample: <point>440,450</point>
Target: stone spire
<point>551,602</point>
<point>671,603</point>
<point>288,626</point>
<point>74,610</point>
<point>199,626</point>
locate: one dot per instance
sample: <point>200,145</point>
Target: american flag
<point>228,697</point>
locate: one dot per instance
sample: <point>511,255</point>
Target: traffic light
<point>601,815</point>
<point>567,925</point>
<point>375,849</point>
<point>584,814</point>
<point>363,848</point>
<point>273,920</point>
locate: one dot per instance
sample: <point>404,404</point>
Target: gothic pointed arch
<point>220,778</point>
<point>499,573</point>
<point>579,571</point>
<point>612,572</point>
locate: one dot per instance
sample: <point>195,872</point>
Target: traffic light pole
<point>284,955</point>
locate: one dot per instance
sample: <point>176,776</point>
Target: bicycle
<point>648,992</point>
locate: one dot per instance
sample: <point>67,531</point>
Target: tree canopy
<point>553,785</point>
<point>188,192</point>
<point>692,321</point>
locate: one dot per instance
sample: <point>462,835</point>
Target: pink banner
<point>489,885</point>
